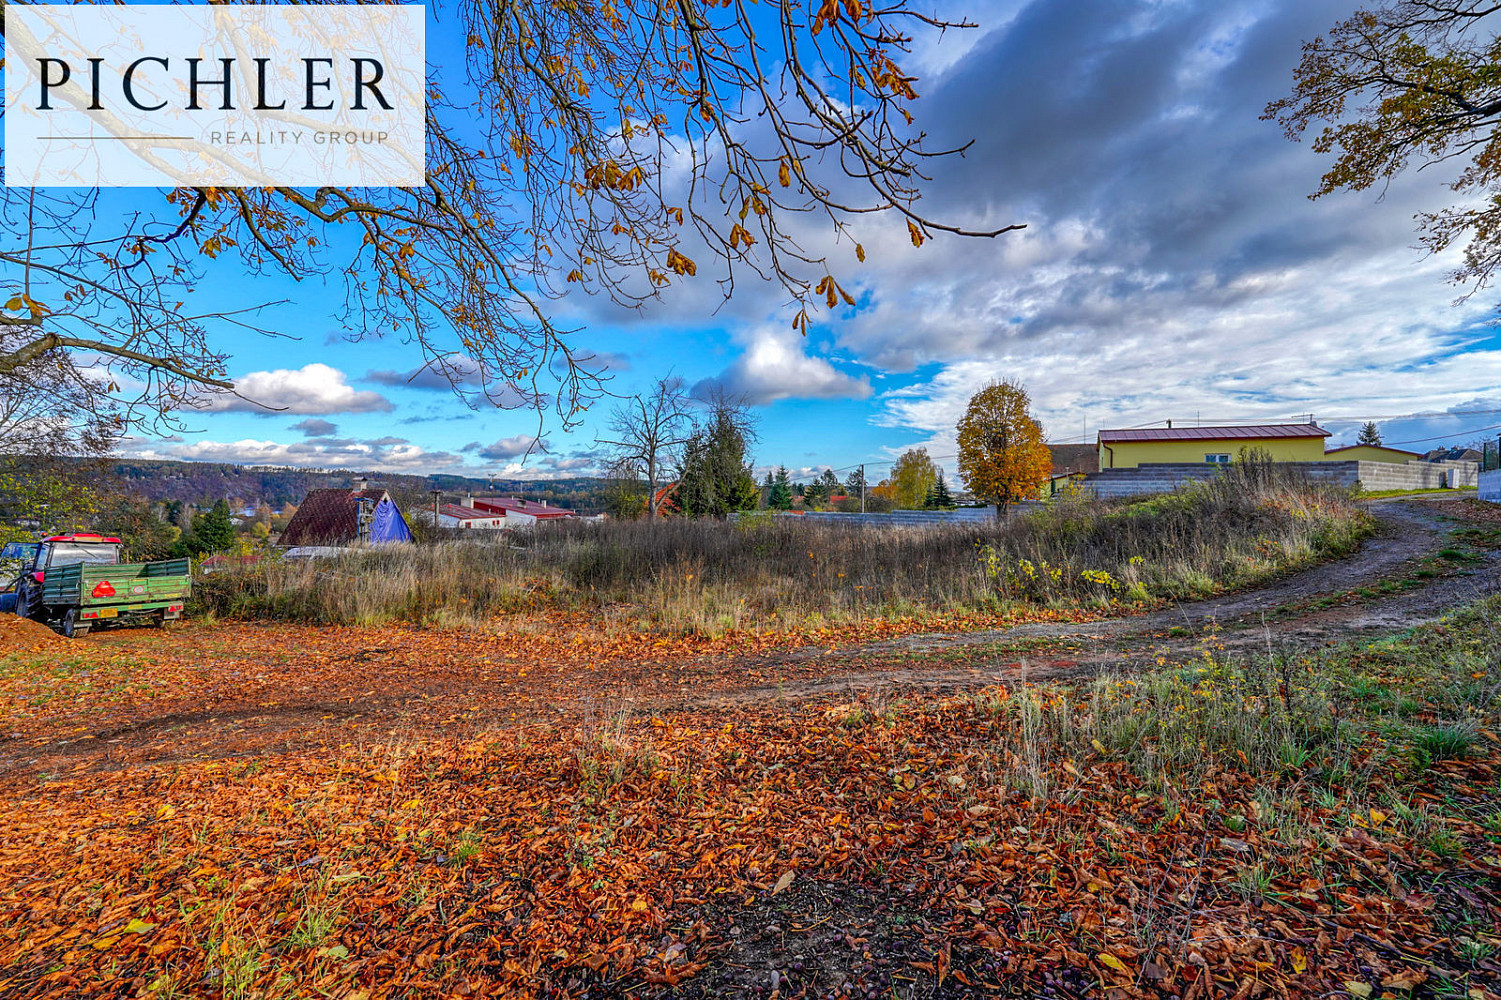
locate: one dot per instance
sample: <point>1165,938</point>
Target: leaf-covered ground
<point>247,811</point>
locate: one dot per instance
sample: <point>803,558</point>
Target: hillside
<point>205,482</point>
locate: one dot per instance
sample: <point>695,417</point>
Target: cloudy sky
<point>1172,267</point>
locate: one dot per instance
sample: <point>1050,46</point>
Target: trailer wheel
<point>72,627</point>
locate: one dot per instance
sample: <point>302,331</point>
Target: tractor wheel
<point>72,627</point>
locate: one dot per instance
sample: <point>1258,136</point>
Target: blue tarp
<point>388,525</point>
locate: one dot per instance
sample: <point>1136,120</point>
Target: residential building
<point>334,517</point>
<point>1130,447</point>
<point>525,512</point>
<point>462,517</point>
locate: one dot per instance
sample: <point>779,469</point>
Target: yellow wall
<point>1129,454</point>
<point>1372,453</point>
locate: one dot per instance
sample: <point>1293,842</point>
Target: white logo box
<point>222,95</point>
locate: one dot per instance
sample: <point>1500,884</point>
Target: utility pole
<point>437,495</point>
<point>862,487</point>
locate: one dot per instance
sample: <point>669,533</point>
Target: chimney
<point>360,483</point>
<point>542,502</point>
<point>468,499</point>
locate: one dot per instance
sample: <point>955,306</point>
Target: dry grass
<point>768,572</point>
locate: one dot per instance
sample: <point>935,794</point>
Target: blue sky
<point>1172,267</point>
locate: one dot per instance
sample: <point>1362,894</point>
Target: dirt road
<point>1387,585</point>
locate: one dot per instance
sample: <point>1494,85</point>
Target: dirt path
<point>1285,615</point>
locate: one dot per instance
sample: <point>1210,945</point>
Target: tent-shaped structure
<point>345,517</point>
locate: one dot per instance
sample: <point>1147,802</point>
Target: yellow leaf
<point>1300,960</point>
<point>138,926</point>
<point>638,905</point>
<point>1108,959</point>
<point>1358,989</point>
<point>1098,745</point>
<point>859,253</point>
<point>165,811</point>
<point>915,233</point>
<point>1377,817</point>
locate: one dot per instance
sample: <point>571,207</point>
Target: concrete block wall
<point>1490,486</point>
<point>1160,478</point>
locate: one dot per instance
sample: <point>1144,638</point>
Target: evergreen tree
<point>939,497</point>
<point>854,483</point>
<point>715,478</point>
<point>1370,434</point>
<point>212,532</point>
<point>815,493</point>
<point>780,497</point>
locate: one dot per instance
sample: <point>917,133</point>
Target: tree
<point>132,519</point>
<point>213,532</point>
<point>649,428</point>
<point>714,478</point>
<point>625,495</point>
<point>815,493</point>
<point>587,145</point>
<point>1370,434</point>
<point>1413,81</point>
<point>939,497</point>
<point>780,496</point>
<point>912,477</point>
<point>855,483</point>
<point>1002,457</point>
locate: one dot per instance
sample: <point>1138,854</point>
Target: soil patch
<point>25,635</point>
<point>834,941</point>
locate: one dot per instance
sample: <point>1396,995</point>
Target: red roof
<point>665,502</point>
<point>327,517</point>
<point>463,513</point>
<point>82,536</point>
<point>1240,433</point>
<point>506,505</point>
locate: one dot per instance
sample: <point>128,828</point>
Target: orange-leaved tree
<point>1002,456</point>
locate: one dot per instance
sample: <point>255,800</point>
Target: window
<point>71,553</point>
<point>1217,459</point>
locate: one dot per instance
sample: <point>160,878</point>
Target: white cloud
<point>382,455</point>
<point>510,447</point>
<point>774,365</point>
<point>314,390</point>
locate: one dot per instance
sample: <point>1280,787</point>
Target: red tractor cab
<point>55,552</point>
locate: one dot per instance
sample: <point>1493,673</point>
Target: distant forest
<point>202,483</point>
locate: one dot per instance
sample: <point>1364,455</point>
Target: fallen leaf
<point>782,883</point>
<point>1108,959</point>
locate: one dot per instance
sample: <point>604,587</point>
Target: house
<point>1127,448</point>
<point>334,517</point>
<point>1371,453</point>
<point>460,516</point>
<point>517,512</point>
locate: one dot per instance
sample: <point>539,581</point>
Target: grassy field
<point>776,573</point>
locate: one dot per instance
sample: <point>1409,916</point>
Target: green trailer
<point>76,583</point>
